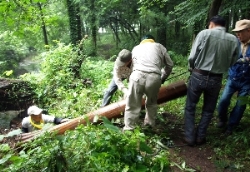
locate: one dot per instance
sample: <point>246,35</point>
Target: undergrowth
<point>88,148</point>
<point>105,147</point>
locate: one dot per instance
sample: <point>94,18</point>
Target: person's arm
<point>243,60</point>
<point>196,47</point>
<point>52,119</point>
<point>57,120</point>
<point>25,130</point>
<point>237,54</point>
<point>168,67</point>
<point>118,79</point>
<point>24,127</point>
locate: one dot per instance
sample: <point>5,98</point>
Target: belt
<point>147,72</point>
<point>207,73</point>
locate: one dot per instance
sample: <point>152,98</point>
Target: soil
<point>182,157</point>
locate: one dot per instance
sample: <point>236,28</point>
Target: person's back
<point>213,52</point>
<point>216,47</point>
<point>149,57</point>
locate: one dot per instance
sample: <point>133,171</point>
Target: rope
<point>177,75</point>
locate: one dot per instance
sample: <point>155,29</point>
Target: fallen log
<point>166,93</point>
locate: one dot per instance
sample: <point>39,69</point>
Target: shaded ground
<point>186,158</point>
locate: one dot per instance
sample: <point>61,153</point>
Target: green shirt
<point>214,50</point>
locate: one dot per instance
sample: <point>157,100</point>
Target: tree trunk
<point>93,25</point>
<point>45,35</point>
<point>246,13</point>
<point>74,22</point>
<point>161,35</point>
<point>75,34</point>
<point>214,9</point>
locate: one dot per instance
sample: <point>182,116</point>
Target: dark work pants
<point>210,87</point>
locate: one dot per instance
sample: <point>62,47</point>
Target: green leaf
<point>145,148</point>
<point>141,168</point>
<point>1,137</point>
<point>112,127</point>
<point>4,147</point>
<point>6,158</point>
<point>108,124</point>
<point>8,73</point>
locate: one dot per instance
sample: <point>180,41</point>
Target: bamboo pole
<point>114,110</point>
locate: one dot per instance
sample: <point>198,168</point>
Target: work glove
<point>125,92</point>
<point>243,60</point>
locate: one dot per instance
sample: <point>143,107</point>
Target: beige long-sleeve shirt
<point>151,57</point>
<point>120,73</point>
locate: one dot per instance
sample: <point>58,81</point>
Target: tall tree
<point>74,22</point>
<point>45,36</point>
<point>214,9</point>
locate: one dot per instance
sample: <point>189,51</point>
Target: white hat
<point>34,110</point>
<point>123,57</point>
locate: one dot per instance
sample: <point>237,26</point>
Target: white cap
<point>34,110</point>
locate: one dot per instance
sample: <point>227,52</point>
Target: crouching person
<point>36,120</point>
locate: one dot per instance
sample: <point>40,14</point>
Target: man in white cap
<point>121,71</point>
<point>36,119</point>
<point>238,81</point>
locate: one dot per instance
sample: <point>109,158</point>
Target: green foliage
<point>57,89</point>
<point>191,11</point>
<point>96,148</point>
<point>12,51</point>
<point>24,20</point>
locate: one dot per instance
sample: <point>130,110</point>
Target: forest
<point>65,50</point>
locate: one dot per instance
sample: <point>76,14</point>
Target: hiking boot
<point>201,141</point>
<point>188,142</point>
<point>221,124</point>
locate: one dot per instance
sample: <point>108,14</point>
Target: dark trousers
<point>210,87</point>
<point>109,93</point>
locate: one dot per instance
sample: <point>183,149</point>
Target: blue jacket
<point>240,70</point>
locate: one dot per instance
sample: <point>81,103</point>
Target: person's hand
<point>125,92</point>
<point>65,120</point>
<point>243,60</point>
<point>163,79</point>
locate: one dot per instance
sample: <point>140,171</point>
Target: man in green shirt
<point>213,52</point>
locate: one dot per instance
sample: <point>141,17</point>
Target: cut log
<point>114,110</point>
<point>15,94</point>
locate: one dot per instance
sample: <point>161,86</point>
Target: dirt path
<point>184,157</point>
<point>197,158</point>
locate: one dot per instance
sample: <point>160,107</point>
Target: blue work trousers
<point>231,87</point>
<point>112,88</point>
